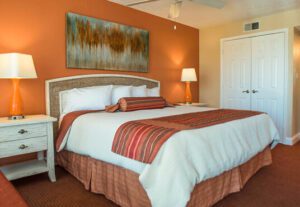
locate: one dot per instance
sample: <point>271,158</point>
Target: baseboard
<point>290,140</point>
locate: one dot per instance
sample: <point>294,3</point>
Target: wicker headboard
<point>54,86</point>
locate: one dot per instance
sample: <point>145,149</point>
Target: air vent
<point>251,26</point>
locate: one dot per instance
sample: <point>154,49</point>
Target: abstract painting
<point>97,44</point>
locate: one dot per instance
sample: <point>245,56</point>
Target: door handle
<point>254,91</point>
<point>23,146</point>
<point>22,131</point>
<point>246,91</point>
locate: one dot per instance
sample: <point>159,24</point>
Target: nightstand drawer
<point>11,133</point>
<point>24,146</point>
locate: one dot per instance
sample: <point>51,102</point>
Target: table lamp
<point>16,66</point>
<point>188,75</point>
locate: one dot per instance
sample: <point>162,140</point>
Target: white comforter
<point>187,158</point>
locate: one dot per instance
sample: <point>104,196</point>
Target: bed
<point>231,153</point>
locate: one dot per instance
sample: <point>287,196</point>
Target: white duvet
<point>187,158</point>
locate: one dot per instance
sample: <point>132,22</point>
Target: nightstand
<point>32,134</point>
<point>192,104</point>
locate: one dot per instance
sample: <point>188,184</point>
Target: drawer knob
<point>22,131</point>
<point>23,146</point>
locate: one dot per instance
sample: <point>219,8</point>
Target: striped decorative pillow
<point>140,103</point>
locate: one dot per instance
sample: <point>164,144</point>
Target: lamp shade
<point>16,66</point>
<point>188,75</point>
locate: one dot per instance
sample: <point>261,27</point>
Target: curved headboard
<point>54,86</point>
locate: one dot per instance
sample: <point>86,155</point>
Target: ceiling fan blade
<point>137,2</point>
<point>174,10</point>
<point>219,4</point>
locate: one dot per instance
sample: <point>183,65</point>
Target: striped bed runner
<point>141,139</point>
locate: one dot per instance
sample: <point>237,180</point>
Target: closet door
<point>267,85</point>
<point>236,74</point>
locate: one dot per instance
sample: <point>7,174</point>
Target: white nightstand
<point>192,104</point>
<point>32,134</point>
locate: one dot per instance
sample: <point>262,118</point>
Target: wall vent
<point>251,26</point>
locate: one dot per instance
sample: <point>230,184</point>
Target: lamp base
<point>16,117</point>
<point>188,94</point>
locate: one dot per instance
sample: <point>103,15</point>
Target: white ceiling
<point>199,16</point>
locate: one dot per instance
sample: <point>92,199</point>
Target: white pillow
<point>153,92</point>
<point>120,92</point>
<point>89,98</point>
<point>139,91</point>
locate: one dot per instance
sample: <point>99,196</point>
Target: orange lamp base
<point>188,94</point>
<point>16,108</point>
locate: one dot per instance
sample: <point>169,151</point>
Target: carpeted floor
<point>277,185</point>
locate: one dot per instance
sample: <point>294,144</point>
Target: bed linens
<point>142,139</point>
<point>123,187</point>
<point>139,91</point>
<point>89,98</point>
<point>120,92</point>
<point>186,159</point>
<point>154,92</point>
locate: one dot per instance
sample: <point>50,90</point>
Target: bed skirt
<point>122,186</point>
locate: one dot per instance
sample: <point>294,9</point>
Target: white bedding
<point>186,159</point>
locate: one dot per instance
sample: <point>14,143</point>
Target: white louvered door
<point>253,75</point>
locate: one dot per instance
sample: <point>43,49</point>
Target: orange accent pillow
<point>138,103</point>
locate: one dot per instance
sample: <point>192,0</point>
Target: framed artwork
<point>97,44</point>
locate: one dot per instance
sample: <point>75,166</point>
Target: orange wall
<point>37,27</point>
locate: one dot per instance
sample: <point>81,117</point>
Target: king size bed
<point>195,167</point>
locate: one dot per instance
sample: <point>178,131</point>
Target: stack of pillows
<point>98,97</point>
